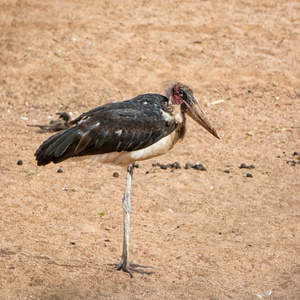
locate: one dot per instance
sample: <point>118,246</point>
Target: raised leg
<point>124,264</point>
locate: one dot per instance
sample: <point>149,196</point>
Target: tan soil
<point>208,235</point>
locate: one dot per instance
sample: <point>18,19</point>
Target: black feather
<point>119,126</point>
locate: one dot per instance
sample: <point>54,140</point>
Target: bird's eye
<point>181,92</point>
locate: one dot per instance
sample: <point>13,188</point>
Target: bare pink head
<point>181,94</point>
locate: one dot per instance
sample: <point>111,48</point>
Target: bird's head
<point>64,116</point>
<point>180,94</point>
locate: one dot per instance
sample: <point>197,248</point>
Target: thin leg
<point>124,264</point>
<point>126,216</point>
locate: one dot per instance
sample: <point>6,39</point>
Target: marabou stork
<point>62,123</point>
<point>125,132</point>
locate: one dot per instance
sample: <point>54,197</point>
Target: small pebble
<point>226,171</point>
<point>164,167</point>
<point>188,166</point>
<point>249,175</point>
<point>198,166</point>
<point>20,162</point>
<point>244,166</point>
<point>295,153</point>
<point>60,170</point>
<point>176,165</point>
<point>116,174</point>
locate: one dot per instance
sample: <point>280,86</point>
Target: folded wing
<point>120,126</point>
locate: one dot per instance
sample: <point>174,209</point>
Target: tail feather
<point>53,149</point>
<point>64,143</point>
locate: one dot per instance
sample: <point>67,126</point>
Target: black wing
<point>120,126</point>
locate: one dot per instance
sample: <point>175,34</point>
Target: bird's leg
<point>126,219</point>
<point>124,264</point>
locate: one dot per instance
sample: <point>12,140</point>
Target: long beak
<point>196,112</point>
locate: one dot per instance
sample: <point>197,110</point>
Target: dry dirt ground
<point>208,235</point>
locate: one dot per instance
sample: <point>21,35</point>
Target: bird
<point>123,133</point>
<point>59,124</point>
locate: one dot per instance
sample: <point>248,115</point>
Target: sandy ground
<point>207,234</point>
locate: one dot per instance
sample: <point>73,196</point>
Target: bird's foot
<point>132,268</point>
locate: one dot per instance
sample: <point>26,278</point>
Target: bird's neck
<point>177,114</point>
